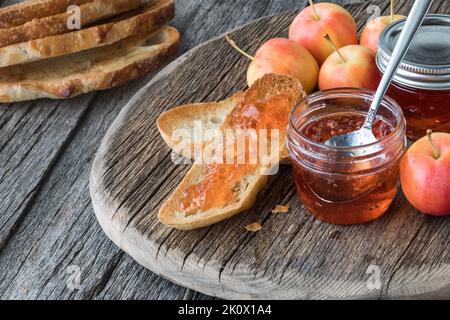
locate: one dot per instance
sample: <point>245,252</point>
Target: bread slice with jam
<point>213,192</point>
<point>210,116</point>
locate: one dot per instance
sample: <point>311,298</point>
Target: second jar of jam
<point>422,84</point>
<point>345,185</point>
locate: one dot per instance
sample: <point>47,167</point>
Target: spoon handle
<point>412,25</point>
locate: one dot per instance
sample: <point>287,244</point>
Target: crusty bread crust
<point>170,214</point>
<point>148,19</point>
<point>94,69</point>
<point>90,12</point>
<point>18,14</point>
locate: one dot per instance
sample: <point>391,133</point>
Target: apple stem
<point>235,46</point>
<point>436,152</point>
<point>392,11</point>
<point>313,7</point>
<point>330,41</point>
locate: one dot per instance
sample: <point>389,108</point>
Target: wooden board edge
<point>147,258</point>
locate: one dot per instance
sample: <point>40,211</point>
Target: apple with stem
<point>425,174</point>
<point>351,66</point>
<point>309,27</point>
<point>282,56</point>
<point>373,29</point>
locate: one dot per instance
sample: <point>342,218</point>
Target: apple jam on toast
<point>214,191</point>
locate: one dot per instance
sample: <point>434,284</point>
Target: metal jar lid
<point>427,63</point>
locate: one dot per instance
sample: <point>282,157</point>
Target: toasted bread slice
<point>177,129</point>
<point>95,69</point>
<point>17,14</point>
<point>252,182</point>
<point>90,12</point>
<point>147,19</point>
<point>211,116</point>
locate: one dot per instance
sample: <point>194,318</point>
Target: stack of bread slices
<point>63,48</point>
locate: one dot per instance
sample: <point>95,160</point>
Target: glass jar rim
<point>347,92</point>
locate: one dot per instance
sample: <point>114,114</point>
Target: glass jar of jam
<point>345,185</point>
<point>422,83</point>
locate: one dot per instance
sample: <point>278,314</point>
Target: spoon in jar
<point>365,136</point>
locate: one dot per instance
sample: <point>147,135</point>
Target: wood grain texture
<point>46,220</point>
<point>295,256</point>
<point>47,223</point>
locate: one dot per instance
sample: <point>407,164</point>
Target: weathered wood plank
<point>49,235</point>
<point>47,175</point>
<point>309,260</point>
<point>33,137</point>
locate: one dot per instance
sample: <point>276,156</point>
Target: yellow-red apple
<point>315,21</point>
<point>425,174</point>
<point>282,56</point>
<point>373,29</point>
<point>351,66</point>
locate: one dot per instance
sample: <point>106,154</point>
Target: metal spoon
<point>365,136</point>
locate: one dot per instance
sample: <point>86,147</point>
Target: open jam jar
<point>345,185</point>
<point>422,83</point>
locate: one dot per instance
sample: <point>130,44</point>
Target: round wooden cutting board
<point>404,254</point>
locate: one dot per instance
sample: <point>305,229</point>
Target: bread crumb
<point>281,209</point>
<point>254,227</point>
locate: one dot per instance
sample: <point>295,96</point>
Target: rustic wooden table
<point>51,246</point>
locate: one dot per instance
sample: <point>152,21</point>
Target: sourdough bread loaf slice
<point>146,19</point>
<point>250,184</point>
<point>17,14</point>
<point>90,12</point>
<point>95,69</point>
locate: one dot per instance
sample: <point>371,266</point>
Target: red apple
<point>425,174</point>
<point>352,66</point>
<point>315,21</point>
<point>282,56</point>
<point>373,29</point>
